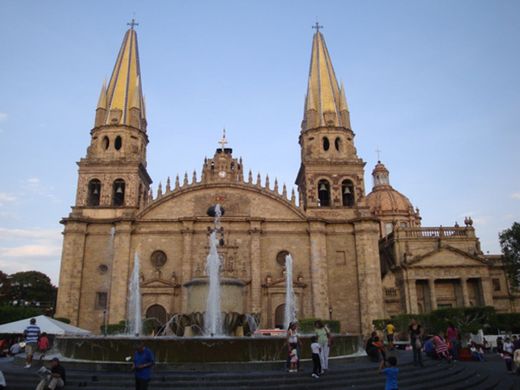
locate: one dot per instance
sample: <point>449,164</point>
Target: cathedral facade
<point>357,256</point>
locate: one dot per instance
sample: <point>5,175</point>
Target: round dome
<point>385,199</point>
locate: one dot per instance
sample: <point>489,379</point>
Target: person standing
<point>142,366</point>
<point>452,334</point>
<point>415,332</point>
<point>323,335</point>
<point>43,345</point>
<point>56,377</point>
<point>316,357</point>
<point>390,330</point>
<point>507,354</point>
<point>293,342</point>
<point>31,334</point>
<point>390,372</point>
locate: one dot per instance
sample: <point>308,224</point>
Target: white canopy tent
<point>46,324</point>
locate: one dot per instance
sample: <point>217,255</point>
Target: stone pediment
<point>157,283</point>
<point>446,257</point>
<point>239,200</point>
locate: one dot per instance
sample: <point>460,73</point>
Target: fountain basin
<point>196,349</point>
<point>231,295</point>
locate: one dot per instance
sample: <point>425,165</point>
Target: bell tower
<point>113,174</point>
<point>331,175</point>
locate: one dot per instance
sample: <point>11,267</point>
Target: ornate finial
<point>132,24</point>
<point>284,191</point>
<point>293,197</point>
<point>177,184</point>
<point>185,181</point>
<point>159,190</point>
<point>168,185</point>
<point>317,26</point>
<point>223,141</point>
<point>378,155</point>
<point>194,178</point>
<point>250,177</point>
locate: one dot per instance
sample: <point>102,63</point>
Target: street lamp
<point>330,312</point>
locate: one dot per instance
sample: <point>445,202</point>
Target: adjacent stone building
<point>356,257</point>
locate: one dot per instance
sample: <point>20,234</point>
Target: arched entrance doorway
<point>158,313</point>
<point>279,316</point>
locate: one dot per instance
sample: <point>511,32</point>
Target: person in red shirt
<point>452,334</point>
<point>43,344</point>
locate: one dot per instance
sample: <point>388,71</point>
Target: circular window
<point>158,259</point>
<point>280,257</point>
<point>103,268</point>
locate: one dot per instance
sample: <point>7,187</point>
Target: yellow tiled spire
<point>124,91</point>
<point>323,93</point>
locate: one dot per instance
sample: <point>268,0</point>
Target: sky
<point>434,85</point>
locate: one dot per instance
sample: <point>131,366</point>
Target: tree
<point>510,243</point>
<point>29,288</point>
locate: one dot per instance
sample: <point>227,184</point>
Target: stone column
<point>413,307</point>
<point>486,287</point>
<point>465,294</point>
<point>256,273</point>
<point>187,238</point>
<point>319,273</point>
<point>120,277</point>
<point>433,295</point>
<point>366,234</point>
<point>71,272</point>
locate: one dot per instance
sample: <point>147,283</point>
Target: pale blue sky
<point>434,84</point>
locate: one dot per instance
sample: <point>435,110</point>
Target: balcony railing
<point>433,232</point>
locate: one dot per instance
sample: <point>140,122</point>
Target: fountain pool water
<point>290,302</point>
<point>213,315</point>
<point>134,322</point>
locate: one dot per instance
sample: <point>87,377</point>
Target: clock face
<point>222,173</point>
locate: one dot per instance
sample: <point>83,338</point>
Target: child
<point>390,373</point>
<point>294,361</point>
<point>316,361</point>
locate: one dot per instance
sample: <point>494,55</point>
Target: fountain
<point>290,303</point>
<point>213,315</point>
<point>134,323</point>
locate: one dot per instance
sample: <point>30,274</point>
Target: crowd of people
<point>443,346</point>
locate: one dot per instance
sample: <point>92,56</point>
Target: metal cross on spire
<point>378,155</point>
<point>223,140</point>
<point>317,26</point>
<point>132,23</point>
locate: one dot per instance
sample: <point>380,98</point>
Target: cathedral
<point>358,255</point>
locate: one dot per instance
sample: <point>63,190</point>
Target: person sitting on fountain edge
<point>142,366</point>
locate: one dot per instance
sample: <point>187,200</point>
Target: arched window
<point>337,144</point>
<point>280,257</point>
<point>324,193</point>
<point>326,143</point>
<point>118,193</point>
<point>157,312</point>
<point>118,142</point>
<point>105,142</point>
<point>279,316</point>
<point>94,192</point>
<point>347,193</point>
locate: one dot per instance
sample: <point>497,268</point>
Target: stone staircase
<point>357,376</point>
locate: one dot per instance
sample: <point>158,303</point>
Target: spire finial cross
<point>223,140</point>
<point>378,155</point>
<point>317,26</point>
<point>132,24</point>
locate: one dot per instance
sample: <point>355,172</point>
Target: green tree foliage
<point>15,313</point>
<point>29,288</point>
<point>510,243</point>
